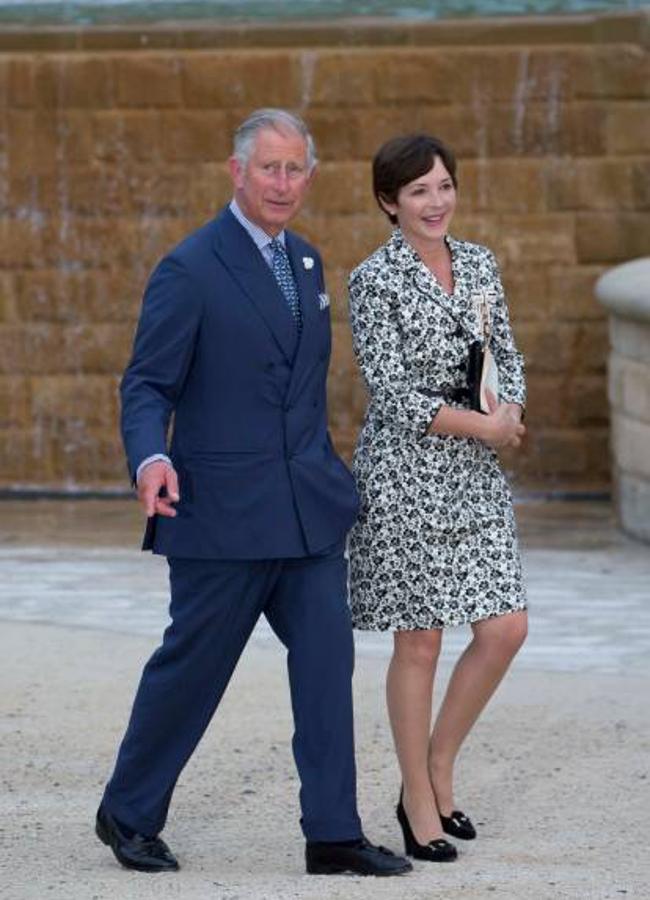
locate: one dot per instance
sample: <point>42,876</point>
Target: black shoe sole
<point>316,868</point>
<point>433,859</point>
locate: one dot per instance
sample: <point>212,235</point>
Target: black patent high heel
<point>458,825</point>
<point>439,850</point>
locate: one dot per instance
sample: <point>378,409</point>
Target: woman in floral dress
<point>435,545</point>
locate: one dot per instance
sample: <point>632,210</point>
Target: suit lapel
<point>460,299</point>
<point>240,256</point>
<point>456,306</point>
<point>465,283</point>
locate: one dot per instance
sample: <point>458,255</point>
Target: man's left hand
<point>155,477</point>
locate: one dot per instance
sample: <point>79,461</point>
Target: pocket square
<point>323,301</point>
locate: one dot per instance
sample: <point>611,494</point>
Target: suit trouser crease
<point>308,611</point>
<point>214,607</point>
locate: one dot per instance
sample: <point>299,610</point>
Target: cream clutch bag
<point>483,374</point>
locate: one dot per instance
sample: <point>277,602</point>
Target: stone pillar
<point>625,292</point>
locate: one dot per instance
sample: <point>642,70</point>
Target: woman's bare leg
<point>474,680</point>
<point>409,690</point>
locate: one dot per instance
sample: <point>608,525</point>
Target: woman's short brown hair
<point>402,160</point>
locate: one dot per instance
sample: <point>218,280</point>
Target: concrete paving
<point>556,773</point>
<point>77,563</point>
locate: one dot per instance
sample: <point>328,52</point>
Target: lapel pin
<point>308,262</point>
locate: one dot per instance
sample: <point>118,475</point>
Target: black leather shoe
<point>360,857</point>
<point>146,854</point>
<point>458,825</point>
<point>435,851</point>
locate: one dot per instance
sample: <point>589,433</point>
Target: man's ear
<point>236,170</point>
<point>312,174</point>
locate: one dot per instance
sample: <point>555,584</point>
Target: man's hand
<point>503,424</point>
<point>153,478</point>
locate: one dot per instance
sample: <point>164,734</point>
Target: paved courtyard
<point>556,773</point>
<point>77,563</point>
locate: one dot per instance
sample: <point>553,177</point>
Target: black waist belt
<point>456,395</point>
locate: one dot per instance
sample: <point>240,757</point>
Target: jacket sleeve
<point>510,362</point>
<point>379,349</point>
<point>163,348</point>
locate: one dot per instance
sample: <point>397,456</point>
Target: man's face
<point>272,185</point>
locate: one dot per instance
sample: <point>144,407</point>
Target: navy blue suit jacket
<point>216,346</point>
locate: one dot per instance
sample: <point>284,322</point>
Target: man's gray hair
<point>278,119</point>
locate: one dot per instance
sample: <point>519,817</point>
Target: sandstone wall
<point>111,149</point>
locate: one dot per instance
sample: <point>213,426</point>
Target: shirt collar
<point>259,236</point>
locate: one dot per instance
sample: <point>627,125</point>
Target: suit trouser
<point>214,607</point>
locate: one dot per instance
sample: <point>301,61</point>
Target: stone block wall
<point>625,293</point>
<point>112,144</point>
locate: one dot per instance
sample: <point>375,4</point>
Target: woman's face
<point>426,205</point>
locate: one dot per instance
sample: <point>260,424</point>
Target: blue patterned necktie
<point>286,282</point>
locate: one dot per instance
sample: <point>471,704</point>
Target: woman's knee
<point>420,648</point>
<point>517,629</point>
<point>505,634</point>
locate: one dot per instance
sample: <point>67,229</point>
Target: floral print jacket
<point>412,339</point>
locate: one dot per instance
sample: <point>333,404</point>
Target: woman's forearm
<point>459,422</point>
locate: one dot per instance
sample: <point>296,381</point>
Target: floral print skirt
<point>435,544</point>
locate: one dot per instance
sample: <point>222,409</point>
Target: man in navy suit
<point>250,503</point>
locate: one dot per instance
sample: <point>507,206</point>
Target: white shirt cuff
<point>157,457</point>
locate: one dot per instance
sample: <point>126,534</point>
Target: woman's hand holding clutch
<point>502,425</point>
